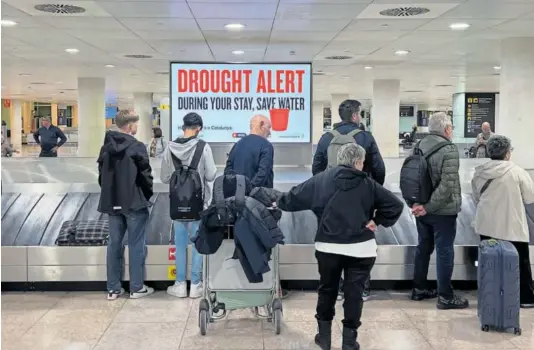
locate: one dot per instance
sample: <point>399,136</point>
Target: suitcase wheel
<point>203,321</point>
<point>277,316</point>
<point>485,328</point>
<point>517,331</point>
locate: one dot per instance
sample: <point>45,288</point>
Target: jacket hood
<point>117,142</point>
<point>493,169</point>
<point>183,148</point>
<point>337,125</point>
<point>347,178</point>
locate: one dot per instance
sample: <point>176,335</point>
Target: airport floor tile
<point>83,321</point>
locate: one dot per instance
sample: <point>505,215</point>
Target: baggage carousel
<point>33,211</point>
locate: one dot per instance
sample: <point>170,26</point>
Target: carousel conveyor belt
<point>31,223</point>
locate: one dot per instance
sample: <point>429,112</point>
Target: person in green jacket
<point>436,220</point>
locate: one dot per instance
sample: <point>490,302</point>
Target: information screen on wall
<point>227,95</point>
<point>479,108</point>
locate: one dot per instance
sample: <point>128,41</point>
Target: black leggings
<point>525,272</point>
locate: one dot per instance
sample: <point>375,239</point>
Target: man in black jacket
<point>349,111</point>
<point>47,137</point>
<point>125,179</point>
<point>344,198</point>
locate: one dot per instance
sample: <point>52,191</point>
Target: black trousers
<point>356,272</point>
<point>526,293</point>
<point>48,154</point>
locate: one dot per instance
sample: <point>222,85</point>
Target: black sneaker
<point>423,294</point>
<point>453,303</point>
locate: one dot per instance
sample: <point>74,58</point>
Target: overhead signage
<point>227,96</point>
<point>479,108</point>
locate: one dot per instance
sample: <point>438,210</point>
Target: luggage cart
<point>226,288</point>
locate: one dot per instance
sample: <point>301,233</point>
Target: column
<point>91,115</point>
<point>458,118</point>
<point>386,104</point>
<point>317,121</point>
<point>143,107</point>
<point>53,113</point>
<point>165,118</point>
<point>16,125</point>
<point>336,100</point>
<point>516,94</point>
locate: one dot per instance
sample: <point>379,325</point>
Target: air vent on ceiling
<point>413,91</point>
<point>318,73</point>
<point>162,73</point>
<point>60,9</point>
<point>443,85</point>
<point>38,83</point>
<point>338,58</point>
<point>69,89</point>
<point>404,11</point>
<point>137,56</point>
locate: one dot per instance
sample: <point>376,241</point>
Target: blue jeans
<point>438,231</point>
<point>183,233</point>
<point>135,223</point>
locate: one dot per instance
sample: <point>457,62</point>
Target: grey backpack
<point>336,143</point>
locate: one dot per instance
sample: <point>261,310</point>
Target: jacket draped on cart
<point>256,232</point>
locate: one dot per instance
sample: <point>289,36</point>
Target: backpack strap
<point>485,187</point>
<point>241,188</point>
<point>354,132</point>
<point>436,148</point>
<point>218,197</point>
<point>175,161</point>
<point>335,133</point>
<point>198,154</point>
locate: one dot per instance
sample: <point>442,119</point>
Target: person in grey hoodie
<point>436,220</point>
<point>184,148</point>
<point>501,190</point>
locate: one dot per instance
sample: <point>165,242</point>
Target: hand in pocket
<point>371,225</point>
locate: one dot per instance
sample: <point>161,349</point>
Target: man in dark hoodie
<point>349,206</point>
<point>125,179</point>
<point>349,111</point>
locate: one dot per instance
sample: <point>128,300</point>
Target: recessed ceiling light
<point>497,67</point>
<point>459,26</point>
<point>402,52</point>
<point>109,66</point>
<point>238,52</point>
<point>234,26</point>
<point>368,67</point>
<point>8,23</point>
<point>72,51</point>
<point>24,74</point>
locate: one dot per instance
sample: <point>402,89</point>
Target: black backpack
<point>185,188</point>
<point>415,175</point>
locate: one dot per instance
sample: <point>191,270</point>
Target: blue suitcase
<point>498,286</point>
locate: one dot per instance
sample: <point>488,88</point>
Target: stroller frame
<point>215,304</point>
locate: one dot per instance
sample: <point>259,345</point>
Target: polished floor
<point>80,321</point>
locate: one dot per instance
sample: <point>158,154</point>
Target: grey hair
<point>439,122</point>
<point>47,118</point>
<point>349,154</point>
<point>498,146</point>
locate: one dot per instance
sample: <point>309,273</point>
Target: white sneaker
<point>113,295</point>
<point>178,290</point>
<point>144,292</point>
<point>196,290</point>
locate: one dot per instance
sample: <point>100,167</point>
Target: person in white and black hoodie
<point>125,179</point>
<point>344,198</point>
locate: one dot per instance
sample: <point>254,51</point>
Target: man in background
<point>47,138</point>
<point>253,155</point>
<point>482,140</point>
<point>125,179</point>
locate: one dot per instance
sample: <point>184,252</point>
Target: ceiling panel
<point>138,9</point>
<point>310,25</point>
<point>28,6</point>
<point>386,24</point>
<point>290,11</point>
<point>177,48</point>
<point>102,23</point>
<point>250,24</point>
<point>303,36</point>
<point>490,9</point>
<point>90,35</point>
<point>236,37</point>
<point>234,10</point>
<point>159,23</point>
<point>442,24</point>
<point>193,34</point>
<point>381,36</point>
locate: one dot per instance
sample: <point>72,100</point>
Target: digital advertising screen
<point>228,95</point>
